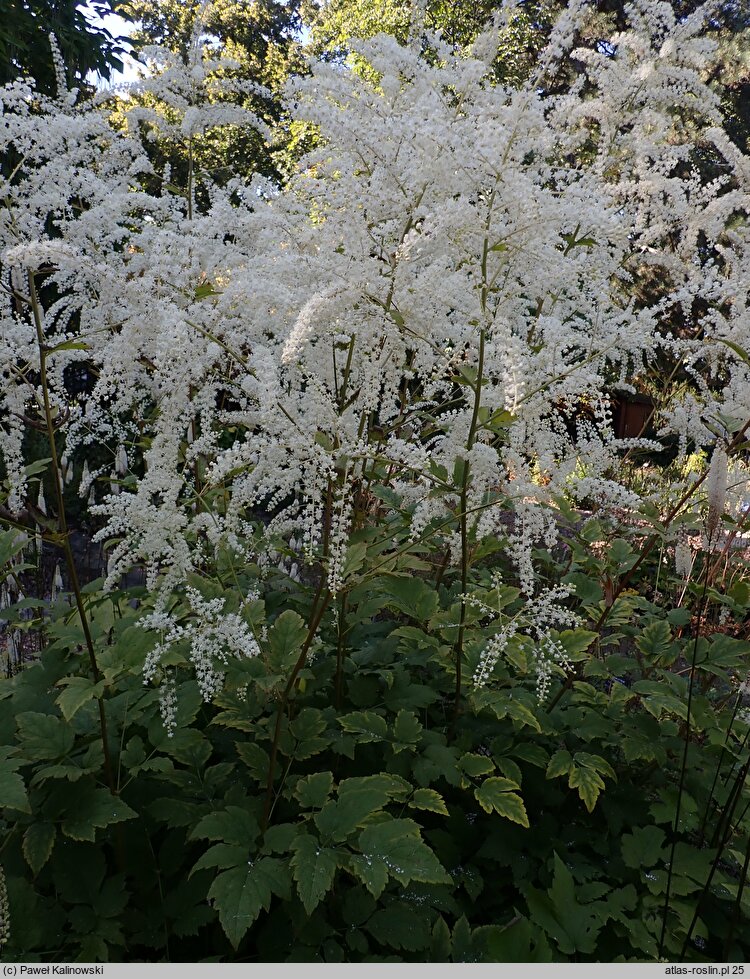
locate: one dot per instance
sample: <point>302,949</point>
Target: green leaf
<point>43,736</point>
<point>589,785</point>
<point>406,729</point>
<point>313,868</point>
<point>596,762</point>
<point>497,794</point>
<point>642,847</point>
<point>240,894</point>
<point>285,639</point>
<point>339,818</point>
<point>38,841</point>
<point>373,875</point>
<point>221,856</point>
<point>655,640</point>
<point>13,791</point>
<point>412,596</point>
<point>312,791</point>
<point>588,590</point>
<point>308,723</point>
<point>575,642</point>
<point>232,825</point>
<point>95,809</point>
<point>397,844</point>
<point>12,542</point>
<point>740,351</point>
<point>367,725</point>
<point>474,765</point>
<point>740,592</point>
<point>256,759</point>
<point>573,926</point>
<point>279,838</point>
<point>440,944</point>
<point>429,800</point>
<point>399,926</point>
<point>33,469</point>
<point>559,764</point>
<point>519,941</point>
<point>69,345</point>
<point>354,559</point>
<point>78,691</point>
<point>534,754</point>
<point>204,289</point>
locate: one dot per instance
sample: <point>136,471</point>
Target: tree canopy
<point>85,44</point>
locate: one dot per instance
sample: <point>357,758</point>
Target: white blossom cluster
<point>448,236</point>
<point>542,614</point>
<point>209,639</point>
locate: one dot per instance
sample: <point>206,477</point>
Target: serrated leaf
<point>412,596</point>
<point>71,773</point>
<point>596,762</point>
<point>240,894</point>
<point>13,791</point>
<point>308,723</point>
<point>313,868</point>
<point>312,791</point>
<point>572,926</point>
<point>78,691</point>
<point>429,800</point>
<point>523,714</point>
<point>367,725</point>
<point>255,757</point>
<point>38,841</point>
<point>642,847</point>
<point>373,875</point>
<point>406,728</point>
<point>339,818</point>
<point>497,794</point>
<point>475,765</point>
<point>174,812</point>
<point>43,736</point>
<point>285,639</point>
<point>231,825</point>
<point>399,926</point>
<point>221,856</point>
<point>440,944</point>
<point>575,642</point>
<point>655,639</point>
<point>95,809</point>
<point>589,785</point>
<point>559,764</point>
<point>397,844</point>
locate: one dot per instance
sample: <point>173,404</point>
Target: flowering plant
<point>350,428</point>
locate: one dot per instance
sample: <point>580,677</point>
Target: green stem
<point>340,650</point>
<point>718,770</point>
<point>464,526</point>
<point>722,845</point>
<point>736,909</point>
<point>320,604</point>
<point>683,768</point>
<point>62,525</point>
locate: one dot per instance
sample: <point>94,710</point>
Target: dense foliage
<point>86,44</point>
<point>428,663</point>
<point>254,48</point>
